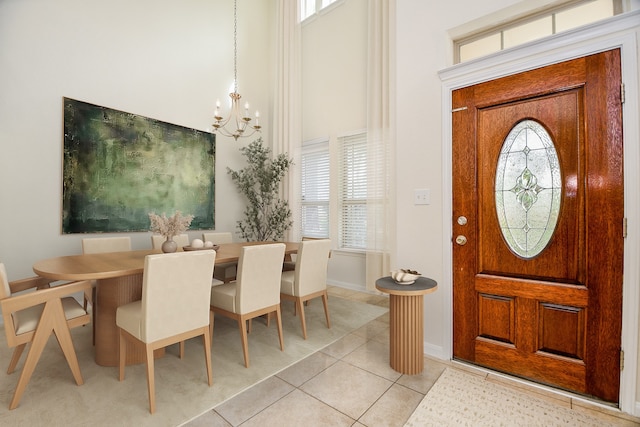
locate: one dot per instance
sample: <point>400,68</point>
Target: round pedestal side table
<point>406,313</point>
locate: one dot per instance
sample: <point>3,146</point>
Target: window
<point>309,8</point>
<point>353,191</point>
<point>533,27</point>
<point>314,171</point>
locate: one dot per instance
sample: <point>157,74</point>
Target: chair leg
<point>181,349</point>
<point>303,322</point>
<point>151,385</point>
<point>325,302</point>
<point>122,354</point>
<point>207,354</point>
<point>52,319</point>
<point>94,293</point>
<point>15,358</point>
<point>63,335</point>
<point>279,321</point>
<point>211,319</point>
<point>243,337</point>
<point>87,298</point>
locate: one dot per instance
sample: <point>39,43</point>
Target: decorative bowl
<point>405,276</point>
<point>191,248</point>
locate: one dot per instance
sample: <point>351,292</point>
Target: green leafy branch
<point>266,217</point>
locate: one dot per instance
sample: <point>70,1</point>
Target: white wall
<point>164,59</point>
<point>423,48</point>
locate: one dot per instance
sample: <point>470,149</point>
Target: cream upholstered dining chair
<point>181,240</point>
<point>255,292</point>
<point>99,245</point>
<point>176,289</point>
<point>225,271</point>
<point>309,278</point>
<point>31,318</point>
<point>290,260</point>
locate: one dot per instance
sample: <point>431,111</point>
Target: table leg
<point>406,352</point>
<point>113,293</point>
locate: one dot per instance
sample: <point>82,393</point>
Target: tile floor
<point>350,383</point>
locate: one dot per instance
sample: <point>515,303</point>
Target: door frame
<point>617,32</point>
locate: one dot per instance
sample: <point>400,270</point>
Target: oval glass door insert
<point>528,189</point>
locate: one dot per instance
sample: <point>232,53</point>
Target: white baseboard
<point>435,351</point>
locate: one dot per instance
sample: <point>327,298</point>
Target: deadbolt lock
<point>461,240</point>
<point>462,220</point>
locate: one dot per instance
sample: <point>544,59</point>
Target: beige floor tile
<point>384,318</point>
<point>382,301</point>
<point>373,329</point>
<point>366,298</point>
<point>208,419</point>
<point>374,357</point>
<point>299,409</point>
<point>340,292</point>
<point>248,403</point>
<point>383,338</point>
<point>344,346</point>
<point>351,383</point>
<point>393,409</point>
<point>423,381</point>
<point>306,369</point>
<point>349,389</point>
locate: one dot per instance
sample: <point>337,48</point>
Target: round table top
<point>422,285</point>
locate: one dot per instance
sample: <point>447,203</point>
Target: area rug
<point>53,399</point>
<point>461,399</point>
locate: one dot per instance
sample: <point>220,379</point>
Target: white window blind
<point>315,190</point>
<point>353,191</point>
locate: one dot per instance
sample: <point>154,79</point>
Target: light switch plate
<point>422,196</point>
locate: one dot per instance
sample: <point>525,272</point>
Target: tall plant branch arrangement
<point>266,217</point>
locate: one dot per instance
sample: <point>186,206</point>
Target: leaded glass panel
<point>528,189</point>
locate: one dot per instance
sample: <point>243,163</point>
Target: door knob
<point>461,240</point>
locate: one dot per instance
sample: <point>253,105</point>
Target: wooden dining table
<point>119,281</point>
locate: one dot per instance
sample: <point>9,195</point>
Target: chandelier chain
<point>235,46</point>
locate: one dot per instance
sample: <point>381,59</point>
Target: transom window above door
<point>542,23</point>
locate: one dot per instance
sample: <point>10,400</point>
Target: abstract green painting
<point>118,167</point>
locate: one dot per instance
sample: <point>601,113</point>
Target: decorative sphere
<point>197,243</point>
<point>208,244</point>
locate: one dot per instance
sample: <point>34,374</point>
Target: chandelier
<point>237,124</point>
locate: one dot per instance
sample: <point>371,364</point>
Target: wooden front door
<point>538,225</point>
